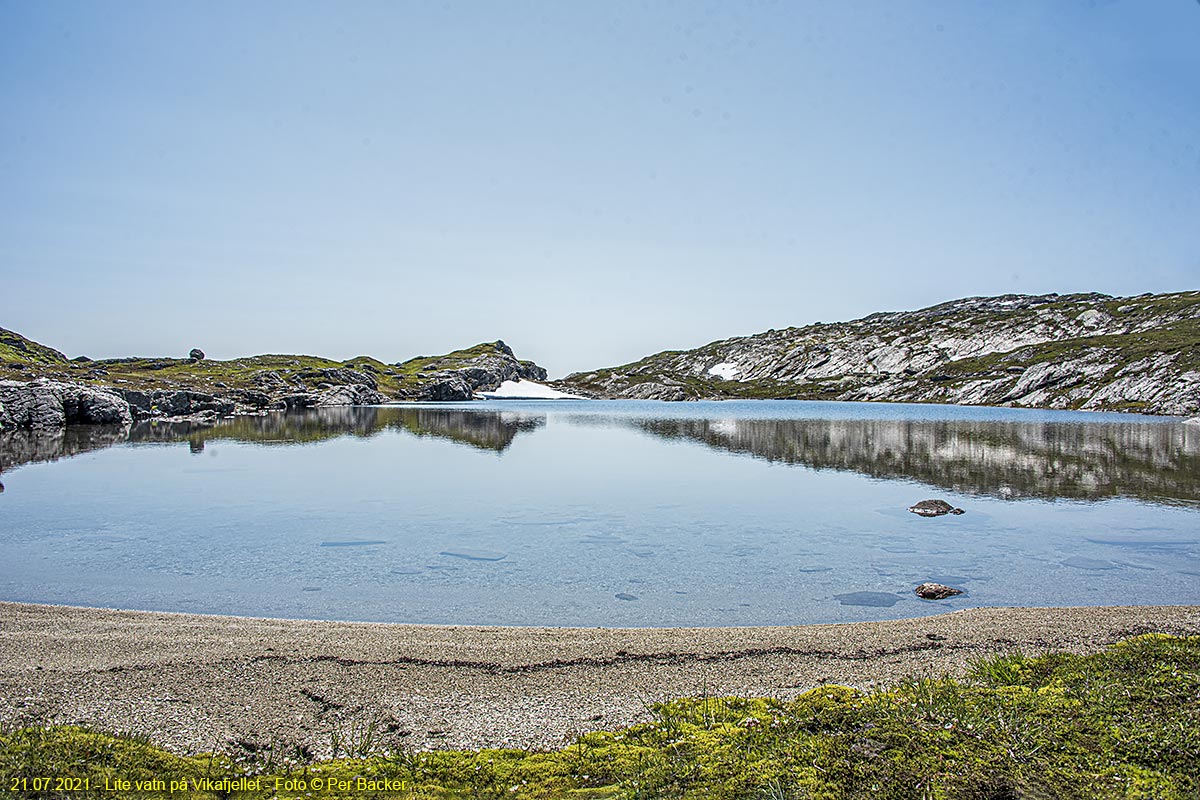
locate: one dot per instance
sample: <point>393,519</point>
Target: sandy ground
<point>197,683</point>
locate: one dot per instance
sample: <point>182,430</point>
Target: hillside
<point>40,387</point>
<point>1082,351</point>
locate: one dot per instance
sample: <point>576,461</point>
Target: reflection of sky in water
<point>608,514</point>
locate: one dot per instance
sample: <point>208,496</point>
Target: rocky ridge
<point>41,388</point>
<point>1081,351</point>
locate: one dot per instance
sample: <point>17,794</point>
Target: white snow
<point>526,390</point>
<point>726,369</point>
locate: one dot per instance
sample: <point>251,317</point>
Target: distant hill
<point>1081,351</point>
<point>41,388</point>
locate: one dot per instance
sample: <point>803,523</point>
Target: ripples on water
<point>604,513</point>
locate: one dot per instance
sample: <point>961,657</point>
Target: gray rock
<point>450,387</point>
<point>935,591</point>
<point>196,354</point>
<point>654,391</point>
<point>181,403</point>
<point>342,375</point>
<point>53,404</point>
<point>934,508</point>
<point>1047,351</point>
<point>356,394</point>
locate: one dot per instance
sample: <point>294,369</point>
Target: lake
<point>604,513</point>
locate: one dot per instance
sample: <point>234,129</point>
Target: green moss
<point>1121,723</point>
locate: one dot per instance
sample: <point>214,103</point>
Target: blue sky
<point>591,182</point>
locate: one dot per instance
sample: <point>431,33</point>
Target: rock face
<point>1084,351</point>
<point>934,508</point>
<point>149,405</point>
<point>50,404</point>
<point>483,368</point>
<point>935,591</point>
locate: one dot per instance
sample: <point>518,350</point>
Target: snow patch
<point>526,390</point>
<point>726,370</point>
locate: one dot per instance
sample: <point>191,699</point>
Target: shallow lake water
<point>604,513</point>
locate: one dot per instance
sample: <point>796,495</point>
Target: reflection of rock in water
<point>25,446</point>
<point>295,427</point>
<point>1152,461</point>
<point>489,430</point>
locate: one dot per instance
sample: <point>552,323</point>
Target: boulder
<point>934,508</point>
<point>196,354</point>
<point>935,591</point>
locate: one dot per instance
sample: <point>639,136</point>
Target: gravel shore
<point>195,683</point>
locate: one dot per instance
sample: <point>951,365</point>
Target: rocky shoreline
<point>198,683</point>
<point>62,392</point>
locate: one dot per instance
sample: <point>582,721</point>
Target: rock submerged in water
<point>934,508</point>
<point>936,591</point>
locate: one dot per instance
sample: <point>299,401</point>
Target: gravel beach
<point>195,683</point>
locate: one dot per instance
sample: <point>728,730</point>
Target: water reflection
<point>1149,461</point>
<point>484,430</point>
<point>1153,461</point>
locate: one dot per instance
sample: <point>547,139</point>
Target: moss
<point>1121,723</point>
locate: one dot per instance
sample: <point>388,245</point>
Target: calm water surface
<point>604,513</point>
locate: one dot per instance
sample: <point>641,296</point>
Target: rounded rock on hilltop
<point>196,354</point>
<point>935,591</point>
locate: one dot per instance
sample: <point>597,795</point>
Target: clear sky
<point>591,182</point>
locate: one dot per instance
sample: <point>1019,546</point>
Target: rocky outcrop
<point>653,391</point>
<point>483,368</point>
<point>355,394</point>
<point>73,390</point>
<point>51,404</point>
<point>155,404</point>
<point>1086,351</point>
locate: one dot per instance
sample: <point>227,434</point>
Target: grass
<point>1122,723</point>
<point>16,349</point>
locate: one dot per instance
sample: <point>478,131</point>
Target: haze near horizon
<point>589,183</point>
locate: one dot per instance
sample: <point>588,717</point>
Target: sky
<point>591,182</point>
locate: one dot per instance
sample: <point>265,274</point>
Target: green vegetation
<point>23,359</point>
<point>15,349</point>
<point>1123,723</point>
